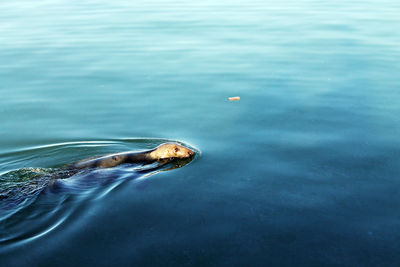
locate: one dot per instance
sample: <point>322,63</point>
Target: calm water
<point>303,170</point>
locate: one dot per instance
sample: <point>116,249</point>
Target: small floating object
<point>234,98</point>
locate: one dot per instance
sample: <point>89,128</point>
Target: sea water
<point>302,170</point>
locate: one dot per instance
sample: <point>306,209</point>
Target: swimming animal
<point>163,152</point>
<point>19,184</point>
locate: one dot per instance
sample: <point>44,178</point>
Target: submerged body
<point>22,183</point>
<point>166,151</point>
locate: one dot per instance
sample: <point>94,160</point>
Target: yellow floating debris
<point>233,98</point>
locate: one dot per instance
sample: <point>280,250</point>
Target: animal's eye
<point>176,149</point>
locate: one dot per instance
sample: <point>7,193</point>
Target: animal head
<point>171,150</point>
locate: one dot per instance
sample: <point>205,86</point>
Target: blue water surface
<point>303,170</point>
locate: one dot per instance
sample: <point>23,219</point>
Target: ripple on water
<point>33,202</point>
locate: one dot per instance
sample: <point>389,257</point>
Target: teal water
<point>303,170</point>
